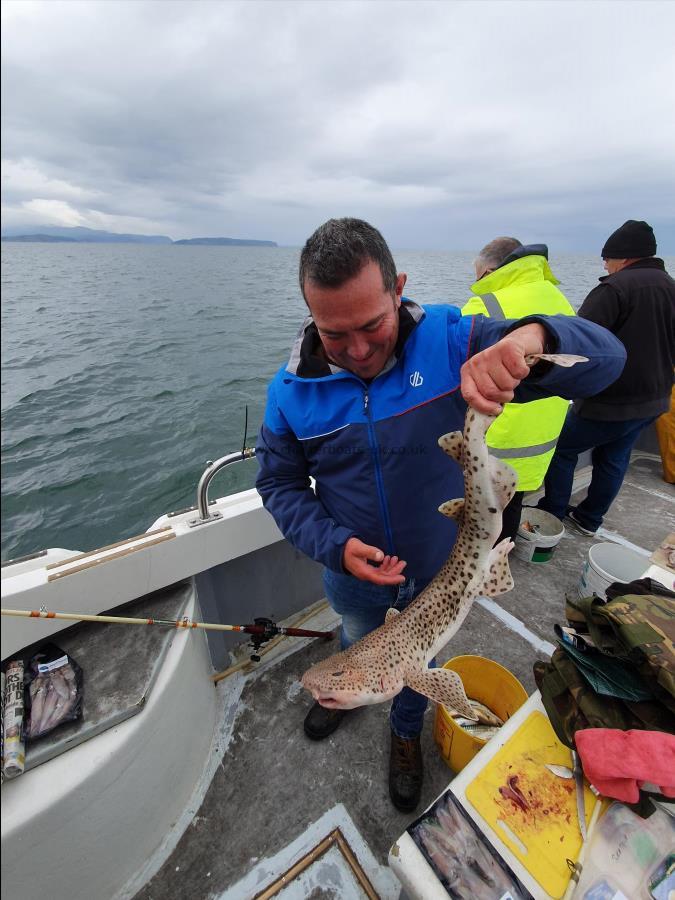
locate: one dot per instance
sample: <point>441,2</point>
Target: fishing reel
<point>264,629</point>
<point>268,630</point>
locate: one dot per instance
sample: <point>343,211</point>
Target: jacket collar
<point>527,264</point>
<point>525,250</point>
<point>649,262</point>
<point>307,359</point>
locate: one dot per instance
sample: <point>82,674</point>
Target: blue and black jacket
<point>372,448</point>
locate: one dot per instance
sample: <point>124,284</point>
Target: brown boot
<point>405,773</point>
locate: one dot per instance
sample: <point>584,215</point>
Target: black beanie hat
<point>634,240</point>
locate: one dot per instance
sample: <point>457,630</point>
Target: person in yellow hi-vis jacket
<point>514,281</point>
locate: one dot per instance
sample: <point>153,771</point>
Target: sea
<point>126,368</point>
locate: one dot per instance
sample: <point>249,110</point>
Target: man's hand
<point>355,561</point>
<point>490,377</point>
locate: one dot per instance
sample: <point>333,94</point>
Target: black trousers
<point>511,517</point>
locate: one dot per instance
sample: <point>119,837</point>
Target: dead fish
<point>484,732</point>
<point>53,698</point>
<point>485,715</point>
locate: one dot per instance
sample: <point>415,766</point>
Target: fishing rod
<point>262,629</point>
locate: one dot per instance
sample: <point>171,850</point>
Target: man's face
<point>614,265</point>
<point>358,321</point>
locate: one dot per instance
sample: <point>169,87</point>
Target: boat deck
<point>271,795</point>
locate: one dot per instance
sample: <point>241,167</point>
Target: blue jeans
<point>363,606</point>
<point>611,443</point>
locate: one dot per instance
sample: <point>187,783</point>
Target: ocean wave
<point>38,440</point>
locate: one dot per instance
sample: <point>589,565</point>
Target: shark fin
<point>559,359</point>
<point>453,509</point>
<point>391,614</point>
<point>504,479</point>
<point>452,444</point>
<point>498,579</point>
<point>444,686</point>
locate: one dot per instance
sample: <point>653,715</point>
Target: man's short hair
<point>339,249</point>
<point>493,254</point>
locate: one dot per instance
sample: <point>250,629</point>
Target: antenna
<point>243,448</point>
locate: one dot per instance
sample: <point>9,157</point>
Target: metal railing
<point>203,487</point>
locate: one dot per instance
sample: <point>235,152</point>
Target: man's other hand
<point>490,377</point>
<point>356,557</point>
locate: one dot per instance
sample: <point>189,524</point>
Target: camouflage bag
<point>572,704</point>
<point>636,628</point>
<point>645,626</point>
<point>582,613</point>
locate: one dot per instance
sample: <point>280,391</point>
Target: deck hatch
<point>334,839</point>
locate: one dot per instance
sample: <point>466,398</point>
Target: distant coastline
<point>38,239</point>
<point>226,242</point>
<point>53,234</point>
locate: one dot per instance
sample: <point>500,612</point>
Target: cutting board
<point>542,829</point>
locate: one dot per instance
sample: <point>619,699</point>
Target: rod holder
<point>203,486</point>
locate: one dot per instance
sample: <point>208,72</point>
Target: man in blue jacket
<point>372,382</point>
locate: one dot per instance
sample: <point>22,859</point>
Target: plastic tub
<point>538,546</point>
<point>608,563</point>
<point>490,684</point>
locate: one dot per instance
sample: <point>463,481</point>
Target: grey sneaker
<point>583,529</point>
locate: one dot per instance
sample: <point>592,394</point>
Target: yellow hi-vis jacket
<point>525,434</point>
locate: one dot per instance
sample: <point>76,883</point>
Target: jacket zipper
<point>378,473</point>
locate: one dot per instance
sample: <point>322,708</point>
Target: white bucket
<point>608,563</point>
<point>539,545</point>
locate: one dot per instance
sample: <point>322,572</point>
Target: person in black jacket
<point>636,302</point>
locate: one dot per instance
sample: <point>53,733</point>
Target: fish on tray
<point>460,857</point>
<point>397,654</point>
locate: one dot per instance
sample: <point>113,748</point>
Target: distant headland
<point>55,234</point>
<point>226,242</point>
<point>39,239</point>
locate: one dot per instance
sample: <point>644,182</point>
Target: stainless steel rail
<point>203,486</point>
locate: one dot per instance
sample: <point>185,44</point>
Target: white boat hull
<point>81,825</point>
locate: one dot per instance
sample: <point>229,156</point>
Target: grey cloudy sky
<point>442,123</point>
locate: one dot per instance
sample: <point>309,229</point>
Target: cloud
<point>52,212</point>
<point>23,177</point>
<point>439,121</point>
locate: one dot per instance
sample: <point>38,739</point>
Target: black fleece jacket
<point>637,305</point>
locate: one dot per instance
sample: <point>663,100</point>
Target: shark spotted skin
<point>397,654</point>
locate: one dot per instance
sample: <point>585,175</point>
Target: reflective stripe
<point>493,306</point>
<point>517,452</point>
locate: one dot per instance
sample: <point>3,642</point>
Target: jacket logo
<point>416,379</point>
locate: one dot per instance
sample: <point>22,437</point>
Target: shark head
<point>345,682</point>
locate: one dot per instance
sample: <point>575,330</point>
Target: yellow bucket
<point>490,684</point>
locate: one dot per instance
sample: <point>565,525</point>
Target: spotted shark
<point>397,654</point>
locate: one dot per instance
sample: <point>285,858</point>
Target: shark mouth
<point>339,700</point>
<point>329,702</point>
<point>329,699</point>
